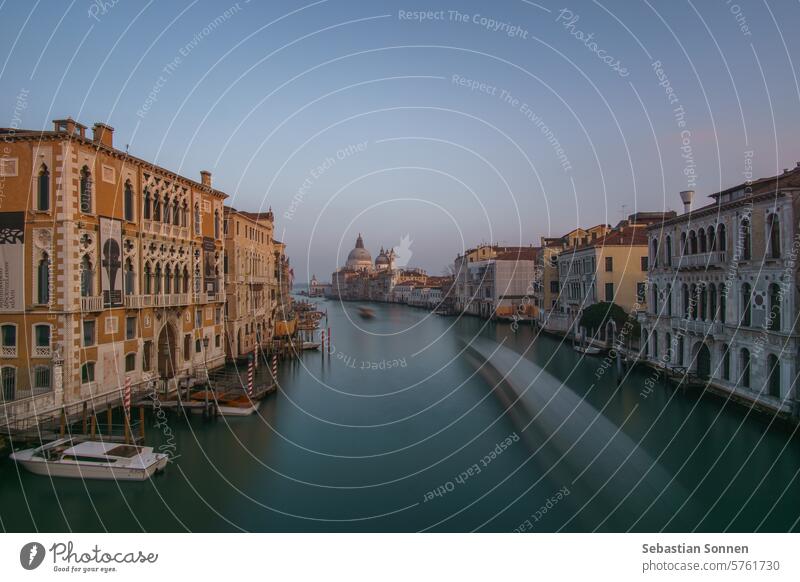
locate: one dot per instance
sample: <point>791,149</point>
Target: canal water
<point>405,428</point>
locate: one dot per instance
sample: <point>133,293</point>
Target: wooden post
<point>141,422</point>
<point>127,422</point>
<point>84,418</point>
<point>63,422</point>
<point>94,425</point>
<point>109,419</point>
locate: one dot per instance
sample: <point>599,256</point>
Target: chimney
<point>103,134</point>
<point>686,197</point>
<point>205,178</point>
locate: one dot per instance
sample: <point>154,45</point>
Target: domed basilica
<point>359,258</point>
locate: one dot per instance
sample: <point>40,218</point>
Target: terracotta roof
<point>520,254</point>
<point>631,235</point>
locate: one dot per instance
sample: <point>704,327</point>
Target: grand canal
<point>399,430</point>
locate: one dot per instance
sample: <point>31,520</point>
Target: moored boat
<point>92,460</point>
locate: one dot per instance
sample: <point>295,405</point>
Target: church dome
<point>359,257</point>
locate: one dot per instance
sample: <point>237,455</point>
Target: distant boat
<point>236,406</point>
<point>588,350</point>
<point>310,346</point>
<point>92,460</point>
<point>366,312</point>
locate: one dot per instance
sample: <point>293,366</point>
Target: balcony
<point>170,300</point>
<point>92,303</point>
<point>42,351</point>
<point>8,351</point>
<point>138,301</point>
<point>698,327</point>
<point>700,260</point>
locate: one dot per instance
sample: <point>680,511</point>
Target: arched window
<point>712,302</point>
<point>148,279</point>
<point>216,224</point>
<point>156,207</point>
<point>146,212</point>
<point>41,340</point>
<point>655,345</point>
<point>668,353</point>
<point>774,234</point>
<point>185,214</point>
<point>128,201</point>
<point>197,224</point>
<point>167,210</point>
<point>176,213</point>
<point>722,238</point>
<point>701,236</point>
<point>687,305</point>
<point>703,302</point>
<point>8,340</point>
<point>654,252</point>
<point>774,379</point>
<point>726,362</point>
<point>157,286</point>
<point>775,307</point>
<point>684,244</point>
<point>669,299</point>
<point>655,299</point>
<point>130,278</point>
<point>747,304</point>
<point>87,277</point>
<point>86,190</point>
<point>744,238</point>
<point>723,303</point>
<point>178,276</point>
<point>712,240</point>
<point>744,368</point>
<point>167,279</point>
<point>669,251</point>
<point>693,242</point>
<point>693,301</point>
<point>43,280</point>
<point>680,350</point>
<point>8,378</point>
<point>43,189</point>
<point>185,280</point>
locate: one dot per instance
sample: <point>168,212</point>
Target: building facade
<point>250,281</point>
<point>723,291</point>
<point>112,269</point>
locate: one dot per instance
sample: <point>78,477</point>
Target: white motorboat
<point>92,460</point>
<point>310,346</point>
<point>588,350</point>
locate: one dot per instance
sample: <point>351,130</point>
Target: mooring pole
<point>84,418</point>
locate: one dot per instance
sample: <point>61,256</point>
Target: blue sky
<point>348,117</point>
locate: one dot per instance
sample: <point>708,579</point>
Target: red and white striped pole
<point>250,375</point>
<point>322,341</point>
<point>275,367</point>
<point>329,340</point>
<point>126,399</point>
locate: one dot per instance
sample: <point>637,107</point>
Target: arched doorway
<point>166,352</point>
<point>703,360</point>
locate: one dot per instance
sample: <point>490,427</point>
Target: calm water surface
<point>360,440</point>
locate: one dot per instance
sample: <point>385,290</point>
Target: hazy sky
<point>503,120</point>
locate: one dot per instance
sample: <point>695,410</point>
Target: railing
<point>8,351</point>
<point>92,303</point>
<point>171,300</point>
<point>714,258</point>
<point>138,301</point>
<point>698,326</point>
<point>42,351</point>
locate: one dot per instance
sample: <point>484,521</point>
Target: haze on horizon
<point>496,123</point>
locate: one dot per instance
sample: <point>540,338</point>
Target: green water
<point>358,441</point>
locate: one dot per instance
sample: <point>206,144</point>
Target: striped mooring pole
<point>329,341</point>
<point>250,375</point>
<point>322,342</point>
<point>275,367</point>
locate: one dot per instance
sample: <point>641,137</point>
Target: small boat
<point>236,406</point>
<point>588,350</point>
<point>366,312</point>
<point>92,460</point>
<point>310,346</point>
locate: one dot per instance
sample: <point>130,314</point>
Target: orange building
<point>110,268</point>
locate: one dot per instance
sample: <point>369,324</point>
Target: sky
<point>449,123</point>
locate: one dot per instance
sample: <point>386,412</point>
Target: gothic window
<point>43,189</point>
<point>86,190</point>
<point>128,201</point>
<point>43,280</point>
